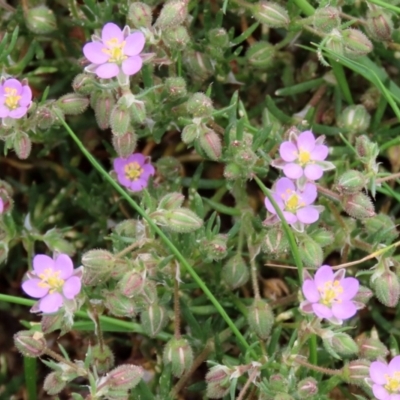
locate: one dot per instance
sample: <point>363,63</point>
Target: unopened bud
<point>30,343</point>
<point>307,388</point>
<point>131,284</point>
<point>179,354</point>
<point>354,119</point>
<point>200,65</point>
<point>169,168</point>
<point>363,295</point>
<point>103,105</point>
<point>175,87</point>
<point>232,171</point>
<point>73,103</point>
<point>387,288</point>
<point>182,220</point>
<point>200,105</point>
<point>261,55</point>
<point>125,377</point>
<point>99,264</point>
<point>40,20</point>
<point>326,18</point>
<point>382,229</point>
<point>246,158</point>
<point>153,319</point>
<point>139,15</point>
<point>275,241</point>
<point>173,13</point>
<point>120,119</point>
<point>125,144</point>
<point>235,272</point>
<point>334,41</point>
<point>190,133</point>
<point>176,38</point>
<point>278,383</point>
<point>379,25</point>
<point>45,117</point>
<point>102,358</point>
<point>218,37</point>
<point>218,382</point>
<point>322,237</point>
<point>119,305</point>
<point>216,248</point>
<point>53,383</point>
<point>271,14</point>
<point>171,201</point>
<point>355,43</point>
<point>359,206</point>
<point>355,372</point>
<point>371,349</point>
<point>210,142</point>
<point>261,318</point>
<point>138,112</point>
<point>311,252</point>
<point>84,84</point>
<point>22,145</point>
<point>350,182</point>
<point>341,343</point>
<point>131,228</point>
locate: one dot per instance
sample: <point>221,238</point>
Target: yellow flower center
<point>51,280</point>
<point>12,99</point>
<point>115,50</point>
<point>330,291</point>
<point>292,200</point>
<point>393,383</point>
<point>133,171</point>
<point>304,157</point>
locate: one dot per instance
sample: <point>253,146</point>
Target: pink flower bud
<point>326,18</point>
<point>355,43</point>
<point>260,318</point>
<point>379,25</point>
<point>271,14</point>
<point>131,284</point>
<point>153,319</point>
<point>22,145</point>
<point>210,142</point>
<point>84,84</point>
<point>235,272</point>
<point>119,305</point>
<point>120,119</point>
<point>355,372</point>
<point>358,206</point>
<point>172,14</point>
<point>53,383</point>
<point>139,15</point>
<point>179,354</point>
<point>51,323</point>
<point>218,381</point>
<point>387,287</point>
<point>103,105</point>
<point>372,348</point>
<point>125,377</point>
<point>200,105</point>
<point>73,103</point>
<point>125,144</point>
<point>30,343</point>
<point>307,388</point>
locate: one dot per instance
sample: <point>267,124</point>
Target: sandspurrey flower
<point>303,155</point>
<point>386,379</point>
<point>117,51</point>
<point>53,281</point>
<point>1,206</point>
<point>330,295</point>
<point>15,99</point>
<point>296,204</point>
<point>133,172</point>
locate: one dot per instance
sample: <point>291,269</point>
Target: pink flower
<point>52,281</point>
<point>133,172</point>
<point>329,295</point>
<point>114,52</point>
<point>295,204</point>
<point>15,99</point>
<point>303,155</point>
<point>1,206</point>
<point>386,379</point>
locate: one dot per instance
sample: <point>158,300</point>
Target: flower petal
<point>307,215</point>
<point>42,262</point>
<point>309,194</point>
<point>380,392</point>
<point>293,171</point>
<point>394,365</point>
<point>283,186</point>
<point>134,43</point>
<point>306,307</point>
<point>288,151</point>
<point>306,141</point>
<point>107,70</point>
<point>138,185</point>
<point>321,311</point>
<point>138,158</point>
<point>350,288</point>
<point>18,112</point>
<point>72,287</point>
<point>313,172</point>
<point>26,96</point>
<point>269,205</point>
<point>132,65</point>
<point>324,274</point>
<point>13,84</point>
<point>119,165</point>
<point>344,310</point>
<point>290,217</point>
<point>310,291</point>
<point>377,372</point>
<point>31,288</point>
<point>63,263</point>
<point>320,152</point>
<point>4,111</point>
<point>111,31</point>
<point>94,52</point>
<point>123,180</point>
<point>1,206</point>
<point>148,170</point>
<point>51,303</point>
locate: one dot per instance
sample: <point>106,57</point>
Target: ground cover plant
<point>199,199</point>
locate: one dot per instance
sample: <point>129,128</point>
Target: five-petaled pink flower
<point>52,281</point>
<point>303,155</point>
<point>134,171</point>
<point>114,52</point>
<point>15,99</point>
<point>294,203</point>
<point>329,295</point>
<point>386,379</point>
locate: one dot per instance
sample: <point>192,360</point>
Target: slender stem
<point>177,309</point>
<point>388,178</point>
<point>305,6</point>
<point>127,250</point>
<point>164,238</point>
<point>328,193</point>
<point>63,360</point>
<point>247,384</point>
<point>253,270</point>
<point>326,371</point>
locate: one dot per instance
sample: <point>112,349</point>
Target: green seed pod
<point>175,87</point>
<point>125,144</point>
<point>379,25</point>
<point>342,344</point>
<point>102,358</point>
<point>307,388</point>
<point>153,319</point>
<point>245,158</point>
<point>45,117</point>
<point>355,119</point>
<point>103,105</point>
<point>176,38</point>
<point>84,84</point>
<point>387,288</point>
<point>271,14</point>
<point>169,168</point>
<point>334,42</point>
<point>210,142</point>
<point>199,65</point>
<point>98,265</point>
<point>171,201</point>
<point>235,272</point>
<point>119,305</point>
<point>30,343</point>
<point>358,206</point>
<point>326,18</point>
<point>261,318</point>
<point>261,55</point>
<point>139,15</point>
<point>311,253</point>
<point>218,382</point>
<point>365,148</point>
<point>200,105</point>
<point>278,383</point>
<point>218,37</point>
<point>381,228</point>
<point>350,182</point>
<point>355,43</point>
<point>322,237</point>
<point>216,248</point>
<point>371,349</point>
<point>54,383</point>
<point>131,284</point>
<point>355,372</point>
<point>173,13</point>
<point>73,104</point>
<point>40,20</point>
<point>275,241</point>
<point>22,145</point>
<point>182,220</point>
<point>190,133</point>
<point>124,377</point>
<point>179,354</point>
<point>120,119</point>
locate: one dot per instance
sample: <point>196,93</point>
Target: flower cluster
<point>15,99</point>
<point>53,282</point>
